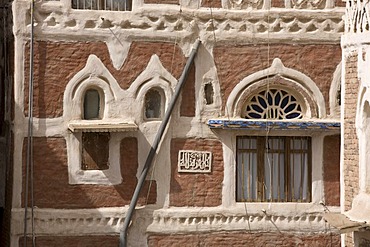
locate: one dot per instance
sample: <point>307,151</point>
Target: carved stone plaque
<point>194,161</point>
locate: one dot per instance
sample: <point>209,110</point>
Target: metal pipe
<point>29,162</point>
<point>154,147</point>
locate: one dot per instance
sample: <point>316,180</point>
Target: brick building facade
<point>251,152</point>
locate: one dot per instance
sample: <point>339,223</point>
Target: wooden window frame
<point>260,151</point>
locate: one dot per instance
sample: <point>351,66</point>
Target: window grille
<point>112,5</point>
<point>273,169</point>
<point>273,104</point>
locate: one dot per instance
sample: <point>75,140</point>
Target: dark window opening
<point>208,93</point>
<point>339,95</point>
<point>91,104</point>
<point>153,104</point>
<point>95,151</point>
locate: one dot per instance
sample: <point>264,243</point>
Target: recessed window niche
<point>153,105</point>
<point>92,105</point>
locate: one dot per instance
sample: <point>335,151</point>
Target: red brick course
<point>350,170</point>
<point>187,108</point>
<point>196,189</point>
<point>332,170</point>
<point>69,58</point>
<point>51,187</point>
<point>75,241</point>
<point>350,152</point>
<point>211,3</point>
<point>242,239</point>
<point>318,62</point>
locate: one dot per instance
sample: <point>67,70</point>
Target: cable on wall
<point>268,117</point>
<point>29,160</point>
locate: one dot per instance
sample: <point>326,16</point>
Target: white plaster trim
<point>69,222</point>
<point>363,65</point>
<point>76,175</point>
<point>228,140</point>
<point>154,75</point>
<point>360,208</point>
<point>95,75</point>
<point>277,68</point>
<point>363,130</point>
<point>118,50</point>
<point>334,87</point>
<point>280,217</point>
<point>154,69</point>
<point>147,20</point>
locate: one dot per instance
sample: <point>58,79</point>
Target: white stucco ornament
<point>194,161</point>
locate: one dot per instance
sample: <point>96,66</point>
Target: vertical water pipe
<point>154,147</point>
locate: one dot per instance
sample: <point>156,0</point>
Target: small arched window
<point>153,104</point>
<point>92,105</point>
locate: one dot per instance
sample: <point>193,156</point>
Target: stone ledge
<point>75,221</point>
<point>101,126</point>
<point>184,220</point>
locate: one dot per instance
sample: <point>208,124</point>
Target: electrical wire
<point>29,162</point>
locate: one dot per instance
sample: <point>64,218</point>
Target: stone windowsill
<point>101,126</point>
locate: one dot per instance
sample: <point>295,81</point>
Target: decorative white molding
<point>154,75</point>
<point>194,161</point>
<point>357,16</point>
<point>72,221</point>
<point>363,131</point>
<point>94,74</point>
<point>118,50</point>
<point>335,86</point>
<point>101,126</point>
<point>186,220</point>
<point>150,21</point>
<point>175,220</point>
<point>277,68</point>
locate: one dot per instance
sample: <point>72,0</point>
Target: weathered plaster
<point>182,25</point>
<point>235,100</point>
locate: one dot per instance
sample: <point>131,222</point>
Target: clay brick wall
<point>332,170</point>
<point>187,108</point>
<point>211,3</point>
<point>196,189</point>
<point>69,58</point>
<point>242,239</point>
<point>73,241</point>
<point>237,62</point>
<point>350,152</point>
<point>51,171</point>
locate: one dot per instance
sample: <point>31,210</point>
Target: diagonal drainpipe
<point>154,147</point>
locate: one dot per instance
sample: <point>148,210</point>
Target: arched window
<point>153,104</point>
<point>273,168</point>
<point>92,105</point>
<point>272,104</point>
